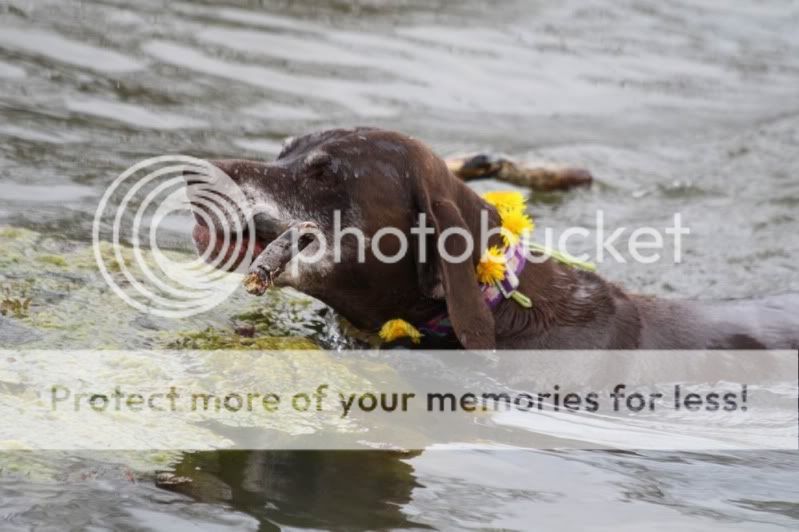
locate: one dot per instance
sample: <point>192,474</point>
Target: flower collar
<point>497,272</point>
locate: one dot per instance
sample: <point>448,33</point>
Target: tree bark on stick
<point>542,177</point>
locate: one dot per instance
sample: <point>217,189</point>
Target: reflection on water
<point>364,489</point>
<point>688,106</point>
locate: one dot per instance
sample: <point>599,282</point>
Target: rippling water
<point>689,106</point>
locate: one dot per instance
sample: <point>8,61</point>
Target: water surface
<point>674,106</point>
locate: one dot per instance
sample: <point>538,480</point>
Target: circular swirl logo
<point>146,200</point>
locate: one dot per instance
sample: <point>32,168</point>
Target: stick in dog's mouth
<point>273,259</point>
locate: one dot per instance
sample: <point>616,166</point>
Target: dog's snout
<point>267,228</point>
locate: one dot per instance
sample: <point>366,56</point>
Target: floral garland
<point>393,329</point>
<point>516,226</point>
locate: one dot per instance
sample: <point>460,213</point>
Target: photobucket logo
<point>389,245</point>
<point>642,244</point>
<point>277,246</point>
<point>138,202</point>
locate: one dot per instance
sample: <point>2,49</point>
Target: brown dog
<point>377,179</point>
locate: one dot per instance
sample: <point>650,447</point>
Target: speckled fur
<point>380,178</point>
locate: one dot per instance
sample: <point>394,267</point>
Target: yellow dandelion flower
<point>505,200</point>
<point>514,225</point>
<point>492,266</point>
<point>393,329</point>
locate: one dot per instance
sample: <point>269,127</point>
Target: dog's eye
<point>317,158</point>
<point>316,162</point>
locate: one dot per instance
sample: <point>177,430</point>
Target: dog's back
<point>764,323</point>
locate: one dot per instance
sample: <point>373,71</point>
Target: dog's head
<point>363,191</point>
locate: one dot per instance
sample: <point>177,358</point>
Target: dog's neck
<point>570,307</point>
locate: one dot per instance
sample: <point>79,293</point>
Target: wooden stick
<point>543,177</point>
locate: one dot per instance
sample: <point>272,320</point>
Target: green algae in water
<point>72,306</point>
<point>214,374</point>
<point>14,306</point>
<point>54,260</point>
<point>215,339</point>
<point>11,233</point>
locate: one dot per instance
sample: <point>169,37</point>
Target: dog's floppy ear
<point>469,315</point>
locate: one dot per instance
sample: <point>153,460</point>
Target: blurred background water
<point>675,106</point>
